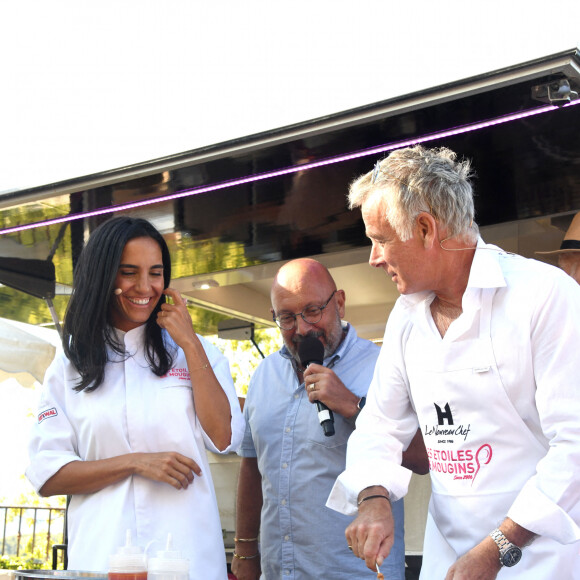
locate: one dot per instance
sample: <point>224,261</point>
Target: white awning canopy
<point>26,349</point>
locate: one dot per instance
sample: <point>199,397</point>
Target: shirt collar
<point>134,336</point>
<point>485,272</point>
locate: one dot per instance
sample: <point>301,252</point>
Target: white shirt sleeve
<point>53,441</point>
<point>549,503</point>
<point>221,368</point>
<point>384,429</point>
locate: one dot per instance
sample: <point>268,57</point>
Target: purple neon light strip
<point>294,169</point>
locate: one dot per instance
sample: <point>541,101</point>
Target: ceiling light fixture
<point>205,284</point>
<point>295,168</point>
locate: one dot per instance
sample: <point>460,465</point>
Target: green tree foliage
<point>29,534</point>
<point>25,562</point>
<point>244,356</point>
<point>22,307</point>
<point>37,243</point>
<point>190,257</point>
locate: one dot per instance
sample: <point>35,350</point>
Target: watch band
<point>509,554</point>
<point>359,406</point>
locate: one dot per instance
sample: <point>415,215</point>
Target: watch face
<point>511,556</point>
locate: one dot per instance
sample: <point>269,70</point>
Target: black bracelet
<point>373,497</point>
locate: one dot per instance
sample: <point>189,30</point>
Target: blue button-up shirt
<point>300,537</point>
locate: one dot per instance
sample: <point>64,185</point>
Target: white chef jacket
<point>534,330</point>
<point>133,410</point>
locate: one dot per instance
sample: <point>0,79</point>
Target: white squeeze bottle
<point>168,565</point>
<point>128,563</point>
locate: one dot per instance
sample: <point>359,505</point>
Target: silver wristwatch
<point>509,554</point>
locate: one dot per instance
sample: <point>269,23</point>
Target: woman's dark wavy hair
<point>87,329</point>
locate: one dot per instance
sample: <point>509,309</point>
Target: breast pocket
<point>176,386</point>
<point>175,395</point>
<point>342,431</point>
<point>173,420</point>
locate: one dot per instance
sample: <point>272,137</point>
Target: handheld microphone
<point>311,350</point>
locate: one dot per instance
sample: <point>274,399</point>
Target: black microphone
<point>311,350</point>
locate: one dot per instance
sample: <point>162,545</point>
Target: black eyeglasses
<point>312,315</point>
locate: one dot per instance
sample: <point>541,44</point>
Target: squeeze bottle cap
<point>128,558</point>
<point>169,560</point>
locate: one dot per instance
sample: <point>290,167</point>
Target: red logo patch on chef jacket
<point>47,414</point>
<point>181,374</point>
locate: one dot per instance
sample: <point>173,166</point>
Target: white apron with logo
<point>480,451</point>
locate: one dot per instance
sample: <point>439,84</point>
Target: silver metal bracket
<point>559,92</point>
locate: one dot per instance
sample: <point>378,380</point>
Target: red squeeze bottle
<point>129,563</point>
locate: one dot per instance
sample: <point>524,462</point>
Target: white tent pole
<point>54,316</point>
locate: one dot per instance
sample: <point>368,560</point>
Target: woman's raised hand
<point>175,318</point>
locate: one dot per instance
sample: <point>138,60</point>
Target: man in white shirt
<point>480,353</point>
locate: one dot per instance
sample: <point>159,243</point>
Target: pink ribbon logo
<point>486,453</point>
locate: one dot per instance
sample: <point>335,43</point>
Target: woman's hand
<point>175,318</point>
<point>92,476</point>
<point>211,402</point>
<point>168,467</point>
<point>247,569</point>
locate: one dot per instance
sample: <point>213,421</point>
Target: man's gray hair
<point>414,180</point>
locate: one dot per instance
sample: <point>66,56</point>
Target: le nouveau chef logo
<point>448,454</point>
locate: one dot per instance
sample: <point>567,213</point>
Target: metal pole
<point>48,533</point>
<point>4,532</point>
<point>18,536</point>
<point>34,530</point>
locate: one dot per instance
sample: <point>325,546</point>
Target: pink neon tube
<point>295,168</point>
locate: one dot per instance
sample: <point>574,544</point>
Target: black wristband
<point>373,497</point>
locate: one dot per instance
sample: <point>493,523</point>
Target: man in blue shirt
<point>289,466</point>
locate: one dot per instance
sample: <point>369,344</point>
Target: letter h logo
<point>441,416</point>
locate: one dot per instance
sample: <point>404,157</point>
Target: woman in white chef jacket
<point>129,408</point>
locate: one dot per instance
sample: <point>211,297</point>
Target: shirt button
<point>287,572</point>
<point>283,502</point>
<point>296,396</point>
<point>286,538</point>
<point>287,429</point>
<point>284,465</point>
